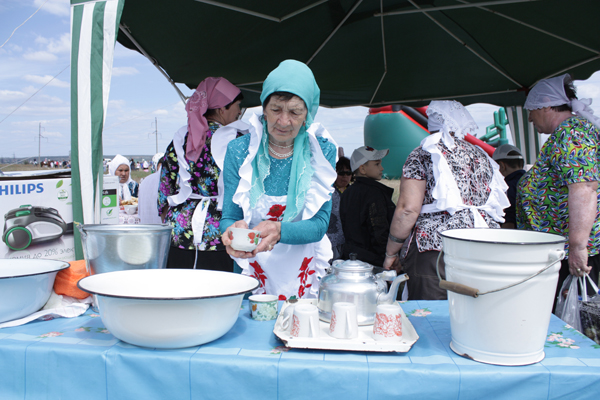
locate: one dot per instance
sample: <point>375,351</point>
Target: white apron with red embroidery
<point>288,271</point>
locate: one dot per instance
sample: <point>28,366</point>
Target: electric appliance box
<point>37,217</point>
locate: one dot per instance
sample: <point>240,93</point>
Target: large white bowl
<point>168,308</point>
<point>26,285</point>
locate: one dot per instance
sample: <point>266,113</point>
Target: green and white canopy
<point>94,27</point>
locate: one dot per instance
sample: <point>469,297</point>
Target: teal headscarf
<point>294,77</point>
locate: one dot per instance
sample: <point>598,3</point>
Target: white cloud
<point>57,7</point>
<point>42,56</point>
<point>42,80</point>
<point>124,71</point>
<point>11,95</point>
<point>62,45</point>
<point>161,112</point>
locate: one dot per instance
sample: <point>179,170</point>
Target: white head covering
<point>125,194</point>
<point>155,160</point>
<point>449,116</point>
<point>551,93</point>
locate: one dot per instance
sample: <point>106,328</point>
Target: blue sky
<point>40,50</point>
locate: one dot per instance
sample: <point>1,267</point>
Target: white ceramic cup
<point>287,317</point>
<point>263,307</point>
<point>388,323</point>
<point>305,321</point>
<point>344,324</point>
<point>244,239</point>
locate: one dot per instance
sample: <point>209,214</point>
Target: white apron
<point>447,194</point>
<point>288,271</point>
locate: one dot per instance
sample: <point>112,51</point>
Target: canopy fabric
<point>372,52</point>
<point>94,26</point>
<point>362,52</point>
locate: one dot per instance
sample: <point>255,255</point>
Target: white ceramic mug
<point>287,317</point>
<point>244,239</point>
<point>305,321</point>
<point>263,307</point>
<point>388,323</point>
<point>344,324</point>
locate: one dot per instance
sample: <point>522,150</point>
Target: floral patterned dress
<point>473,174</point>
<point>570,155</point>
<point>205,174</point>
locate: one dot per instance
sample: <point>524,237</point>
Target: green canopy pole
<point>94,27</point>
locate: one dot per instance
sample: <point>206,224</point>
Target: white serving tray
<point>364,342</point>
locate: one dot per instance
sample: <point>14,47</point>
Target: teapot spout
<point>390,296</point>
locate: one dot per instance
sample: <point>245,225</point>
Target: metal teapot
<point>353,281</point>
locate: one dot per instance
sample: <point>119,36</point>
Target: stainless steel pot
<point>353,281</point>
<point>108,248</point>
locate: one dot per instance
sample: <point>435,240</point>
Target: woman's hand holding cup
<point>226,238</point>
<point>270,233</point>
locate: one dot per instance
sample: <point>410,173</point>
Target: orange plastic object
<point>66,280</point>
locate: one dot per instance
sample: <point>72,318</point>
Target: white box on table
<point>38,217</point>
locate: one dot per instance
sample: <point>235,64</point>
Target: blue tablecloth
<point>78,358</point>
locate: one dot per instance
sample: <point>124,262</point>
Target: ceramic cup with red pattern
<point>305,321</point>
<point>244,239</point>
<point>388,323</point>
<point>344,324</point>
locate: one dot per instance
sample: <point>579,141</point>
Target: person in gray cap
<point>366,208</point>
<point>511,162</point>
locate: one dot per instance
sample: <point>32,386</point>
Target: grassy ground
<point>139,174</point>
<point>393,183</point>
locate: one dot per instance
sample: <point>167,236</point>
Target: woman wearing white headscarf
<point>560,192</point>
<point>278,180</point>
<point>120,167</point>
<point>447,183</point>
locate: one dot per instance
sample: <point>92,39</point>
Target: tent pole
<point>334,31</point>
<point>467,46</point>
<point>454,7</point>
<point>127,33</point>
<point>384,55</point>
<point>516,21</point>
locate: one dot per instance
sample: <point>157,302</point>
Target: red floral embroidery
<point>282,297</point>
<point>276,212</point>
<point>387,326</point>
<point>259,273</point>
<point>305,272</point>
<point>333,321</point>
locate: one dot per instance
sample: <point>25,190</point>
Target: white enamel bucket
<point>501,285</point>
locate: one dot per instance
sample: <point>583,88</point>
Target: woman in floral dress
<point>447,183</point>
<point>278,180</point>
<point>188,191</point>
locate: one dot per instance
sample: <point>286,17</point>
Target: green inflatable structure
<point>397,128</point>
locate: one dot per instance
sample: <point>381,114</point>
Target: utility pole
<point>156,132</point>
<point>40,137</point>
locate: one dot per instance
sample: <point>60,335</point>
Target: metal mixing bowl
<point>110,248</point>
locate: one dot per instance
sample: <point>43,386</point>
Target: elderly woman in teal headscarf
<point>278,180</point>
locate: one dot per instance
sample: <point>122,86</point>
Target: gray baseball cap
<point>507,152</point>
<point>364,154</point>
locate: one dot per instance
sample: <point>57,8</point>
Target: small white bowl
<point>168,308</point>
<point>131,209</point>
<point>26,285</point>
<point>244,239</point>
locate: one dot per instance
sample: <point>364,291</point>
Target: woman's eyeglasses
<point>347,173</point>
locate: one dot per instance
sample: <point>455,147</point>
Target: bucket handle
<point>555,256</point>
